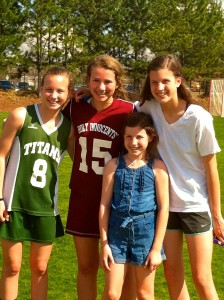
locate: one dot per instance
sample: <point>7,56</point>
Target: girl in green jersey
<point>34,139</point>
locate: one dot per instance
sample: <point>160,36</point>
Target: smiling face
<point>55,91</point>
<point>163,85</point>
<point>136,141</point>
<point>102,85</point>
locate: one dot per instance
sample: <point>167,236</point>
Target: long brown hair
<point>110,63</point>
<point>171,63</point>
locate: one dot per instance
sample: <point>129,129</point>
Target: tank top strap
<point>121,161</point>
<point>150,163</point>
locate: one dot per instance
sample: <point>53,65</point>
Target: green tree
<point>39,32</point>
<point>193,30</point>
<point>137,23</point>
<point>70,32</point>
<point>11,22</point>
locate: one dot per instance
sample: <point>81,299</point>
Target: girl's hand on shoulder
<point>153,260</point>
<point>106,258</point>
<point>81,93</point>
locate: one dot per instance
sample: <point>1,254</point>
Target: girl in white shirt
<point>188,146</point>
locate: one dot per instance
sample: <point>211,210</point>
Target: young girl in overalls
<point>134,210</point>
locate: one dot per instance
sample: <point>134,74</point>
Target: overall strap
<point>120,160</point>
<point>150,163</point>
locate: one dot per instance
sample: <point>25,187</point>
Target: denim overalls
<point>133,213</point>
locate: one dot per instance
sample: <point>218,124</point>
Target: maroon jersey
<point>98,138</point>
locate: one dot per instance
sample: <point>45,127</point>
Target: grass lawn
<point>63,264</point>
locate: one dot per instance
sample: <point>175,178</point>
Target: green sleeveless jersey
<point>31,179</point>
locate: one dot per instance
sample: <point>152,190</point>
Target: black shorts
<point>190,223</point>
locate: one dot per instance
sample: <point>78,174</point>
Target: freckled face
<point>164,85</point>
<point>102,84</point>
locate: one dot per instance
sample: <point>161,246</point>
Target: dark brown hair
<point>144,121</point>
<point>171,63</point>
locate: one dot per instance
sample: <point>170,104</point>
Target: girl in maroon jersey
<point>98,123</point>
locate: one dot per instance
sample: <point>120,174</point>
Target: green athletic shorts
<point>25,227</point>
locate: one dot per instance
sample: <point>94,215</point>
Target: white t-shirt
<point>181,146</point>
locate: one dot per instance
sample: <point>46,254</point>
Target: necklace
<point>136,162</point>
<point>132,162</point>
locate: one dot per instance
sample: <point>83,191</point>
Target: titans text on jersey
<point>42,148</point>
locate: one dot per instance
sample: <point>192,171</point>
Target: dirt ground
<point>10,100</point>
